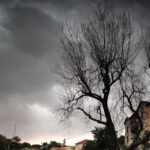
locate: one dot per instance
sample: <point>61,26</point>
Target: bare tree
<point>96,58</point>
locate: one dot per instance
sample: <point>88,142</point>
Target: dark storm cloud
<point>73,3</point>
<point>80,9</point>
<point>32,34</point>
<point>140,9</point>
<point>33,31</point>
<point>144,3</point>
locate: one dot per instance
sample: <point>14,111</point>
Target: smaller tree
<point>90,146</point>
<point>44,146</point>
<point>101,137</point>
<point>16,139</point>
<point>121,140</point>
<point>53,144</point>
<point>64,143</point>
<point>3,142</point>
<point>36,146</point>
<point>26,145</point>
<point>101,140</point>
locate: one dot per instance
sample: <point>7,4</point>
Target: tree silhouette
<point>97,62</point>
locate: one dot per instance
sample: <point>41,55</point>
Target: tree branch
<point>90,117</point>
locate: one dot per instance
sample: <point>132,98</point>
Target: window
<point>127,139</point>
<point>144,118</point>
<point>127,129</point>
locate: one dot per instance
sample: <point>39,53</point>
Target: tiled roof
<point>83,141</point>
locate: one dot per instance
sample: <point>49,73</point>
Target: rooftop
<point>146,103</point>
<point>83,142</point>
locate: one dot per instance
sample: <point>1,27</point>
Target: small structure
<point>63,148</point>
<point>132,123</point>
<point>78,146</point>
<point>57,148</point>
<point>81,144</point>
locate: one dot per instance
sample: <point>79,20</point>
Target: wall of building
<point>144,112</point>
<point>128,134</point>
<point>79,147</point>
<point>147,111</point>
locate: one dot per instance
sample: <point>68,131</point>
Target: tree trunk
<point>113,143</point>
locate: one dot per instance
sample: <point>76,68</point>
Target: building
<point>132,123</point>
<point>63,148</point>
<point>78,146</point>
<point>81,144</point>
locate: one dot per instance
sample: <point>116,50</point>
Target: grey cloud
<point>33,31</point>
<point>144,3</point>
<point>30,50</point>
<point>140,9</point>
<point>80,9</point>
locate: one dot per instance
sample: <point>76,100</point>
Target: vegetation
<point>101,140</point>
<point>101,137</point>
<point>14,144</point>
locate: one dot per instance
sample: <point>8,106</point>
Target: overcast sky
<point>30,32</point>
